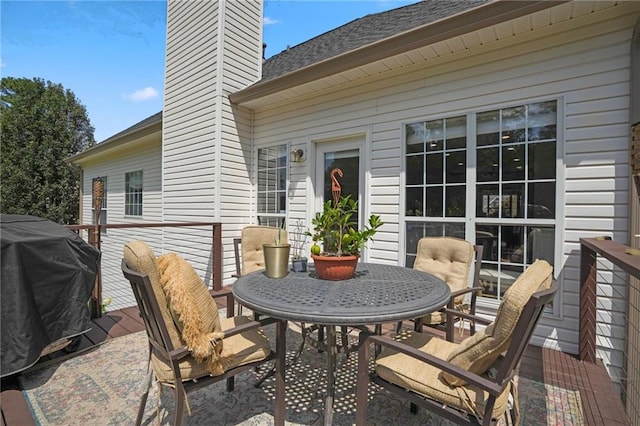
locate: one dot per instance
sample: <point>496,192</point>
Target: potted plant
<point>298,239</point>
<point>336,229</point>
<point>276,255</point>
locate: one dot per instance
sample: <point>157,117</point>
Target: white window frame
<point>266,217</point>
<point>133,199</point>
<point>470,219</point>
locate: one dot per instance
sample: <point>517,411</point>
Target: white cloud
<point>142,94</point>
<point>269,21</point>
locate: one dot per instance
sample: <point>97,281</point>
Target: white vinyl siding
<point>213,48</point>
<point>585,62</point>
<point>114,286</point>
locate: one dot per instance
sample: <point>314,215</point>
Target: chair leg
<point>145,395</point>
<point>179,395</point>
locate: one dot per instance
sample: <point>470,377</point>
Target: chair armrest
<point>490,386</point>
<point>248,326</point>
<point>227,293</point>
<point>471,317</point>
<point>457,293</point>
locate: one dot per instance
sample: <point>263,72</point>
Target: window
<point>513,186</point>
<point>272,185</point>
<point>133,193</point>
<point>99,187</point>
<point>435,180</point>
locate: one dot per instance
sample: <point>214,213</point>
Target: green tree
<point>41,125</point>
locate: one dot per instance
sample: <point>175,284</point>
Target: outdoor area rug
<point>103,386</point>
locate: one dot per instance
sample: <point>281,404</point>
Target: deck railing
<point>93,236</point>
<point>627,259</point>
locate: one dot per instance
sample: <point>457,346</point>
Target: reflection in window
<point>514,150</point>
<point>133,193</point>
<point>507,250</point>
<point>272,185</point>
<point>515,163</point>
<point>436,168</point>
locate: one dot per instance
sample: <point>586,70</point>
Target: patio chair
<point>451,260</point>
<point>467,382</point>
<point>248,250</point>
<point>189,346</point>
<point>249,254</point>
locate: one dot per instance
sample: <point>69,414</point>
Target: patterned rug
<point>102,387</point>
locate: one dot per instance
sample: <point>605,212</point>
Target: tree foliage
<point>41,125</point>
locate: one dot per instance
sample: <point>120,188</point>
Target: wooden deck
<point>601,403</point>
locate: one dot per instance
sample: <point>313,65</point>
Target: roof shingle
<point>361,32</point>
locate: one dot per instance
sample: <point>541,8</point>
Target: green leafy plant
<point>336,228</point>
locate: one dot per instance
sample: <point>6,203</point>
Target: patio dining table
<point>377,294</point>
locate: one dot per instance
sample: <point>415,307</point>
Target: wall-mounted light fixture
<point>297,156</point>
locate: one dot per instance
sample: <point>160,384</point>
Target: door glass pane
<point>349,162</point>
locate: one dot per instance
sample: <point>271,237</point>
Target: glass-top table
<point>377,294</point>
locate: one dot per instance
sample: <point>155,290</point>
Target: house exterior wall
<point>583,63</point>
<point>148,160</point>
<point>212,48</point>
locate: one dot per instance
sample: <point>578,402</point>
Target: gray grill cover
<point>48,274</point>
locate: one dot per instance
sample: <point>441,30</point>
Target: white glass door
<point>345,155</point>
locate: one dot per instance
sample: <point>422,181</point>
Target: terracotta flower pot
<point>335,268</point>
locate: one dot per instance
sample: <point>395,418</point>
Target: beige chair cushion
<point>252,239</point>
<point>449,259</point>
<point>425,379</point>
<point>478,352</point>
<point>194,311</point>
<point>140,258</point>
<point>238,350</point>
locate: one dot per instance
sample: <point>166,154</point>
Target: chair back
<point>253,237</point>
<point>448,258</point>
<point>517,315</point>
<point>140,268</point>
<point>524,330</point>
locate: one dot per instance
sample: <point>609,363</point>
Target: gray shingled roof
<point>361,32</point>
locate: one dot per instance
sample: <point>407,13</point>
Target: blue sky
<point>110,54</point>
